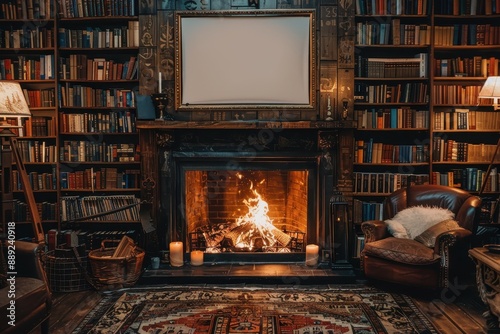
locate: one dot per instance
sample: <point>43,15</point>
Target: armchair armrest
<point>449,238</point>
<point>28,263</point>
<point>374,230</point>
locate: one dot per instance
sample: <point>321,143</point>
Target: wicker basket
<point>115,273</point>
<point>66,270</point>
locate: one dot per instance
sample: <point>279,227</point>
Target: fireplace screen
<point>246,211</point>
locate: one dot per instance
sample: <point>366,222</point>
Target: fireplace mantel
<point>252,124</point>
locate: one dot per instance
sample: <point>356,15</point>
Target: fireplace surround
<point>197,178</point>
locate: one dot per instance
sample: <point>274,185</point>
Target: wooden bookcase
<point>78,66</point>
<point>433,124</point>
<point>28,55</point>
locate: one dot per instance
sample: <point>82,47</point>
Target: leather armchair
<point>32,294</point>
<point>409,262</point>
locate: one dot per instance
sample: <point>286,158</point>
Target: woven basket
<point>115,273</point>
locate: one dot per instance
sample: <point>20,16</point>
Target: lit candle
<point>176,254</point>
<point>312,254</point>
<point>196,258</point>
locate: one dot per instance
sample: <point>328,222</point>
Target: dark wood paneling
<point>328,90</point>
<point>328,33</point>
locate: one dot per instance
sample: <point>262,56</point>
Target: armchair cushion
<point>413,221</point>
<point>401,250</point>
<point>429,236</point>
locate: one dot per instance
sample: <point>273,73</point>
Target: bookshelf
<point>28,55</point>
<point>441,134</point>
<point>77,64</point>
<point>392,105</point>
<point>99,154</point>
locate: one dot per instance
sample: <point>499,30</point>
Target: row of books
<point>39,67</point>
<point>90,97</point>
<point>37,151</point>
<point>91,8</point>
<point>28,37</point>
<point>96,37</point>
<point>366,210</point>
<point>409,92</point>
<point>381,153</point>
<point>37,180</point>
<point>124,207</point>
<point>87,151</point>
<point>467,34</point>
<point>98,179</point>
<point>415,67</point>
<point>465,119</point>
<point>39,126</point>
<point>392,33</point>
<point>385,183</point>
<point>27,9</point>
<point>359,245</point>
<point>458,94</point>
<point>392,118</point>
<point>449,150</point>
<point>79,67</point>
<point>467,7</point>
<point>112,122</point>
<point>476,66</point>
<point>90,240</point>
<point>470,179</point>
<point>392,7</point>
<point>21,211</point>
<point>40,98</point>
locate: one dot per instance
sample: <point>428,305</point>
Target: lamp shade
<point>491,90</point>
<point>12,101</point>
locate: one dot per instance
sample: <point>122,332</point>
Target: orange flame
<point>260,225</point>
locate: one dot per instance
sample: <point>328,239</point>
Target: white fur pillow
<point>411,222</point>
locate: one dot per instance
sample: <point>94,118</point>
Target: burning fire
<point>251,232</point>
<point>259,226</point>
<point>255,230</point>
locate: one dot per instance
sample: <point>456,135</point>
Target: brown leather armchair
<point>32,295</point>
<point>409,262</point>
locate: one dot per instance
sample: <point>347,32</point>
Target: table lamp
<point>491,90</point>
<point>13,105</point>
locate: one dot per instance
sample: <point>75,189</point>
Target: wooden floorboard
<point>66,318</point>
<point>462,314</point>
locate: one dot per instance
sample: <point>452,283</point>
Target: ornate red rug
<point>294,310</point>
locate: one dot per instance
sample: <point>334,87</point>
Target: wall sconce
<point>491,90</point>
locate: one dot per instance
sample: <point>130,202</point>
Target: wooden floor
<point>455,310</point>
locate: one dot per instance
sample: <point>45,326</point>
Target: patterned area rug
<point>294,310</point>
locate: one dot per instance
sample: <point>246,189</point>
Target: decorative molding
<point>164,139</point>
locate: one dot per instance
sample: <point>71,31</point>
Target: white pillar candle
<point>196,258</point>
<point>159,82</point>
<point>312,255</point>
<point>176,254</point>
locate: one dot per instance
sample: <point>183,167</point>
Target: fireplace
<point>258,206</point>
<point>258,195</point>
